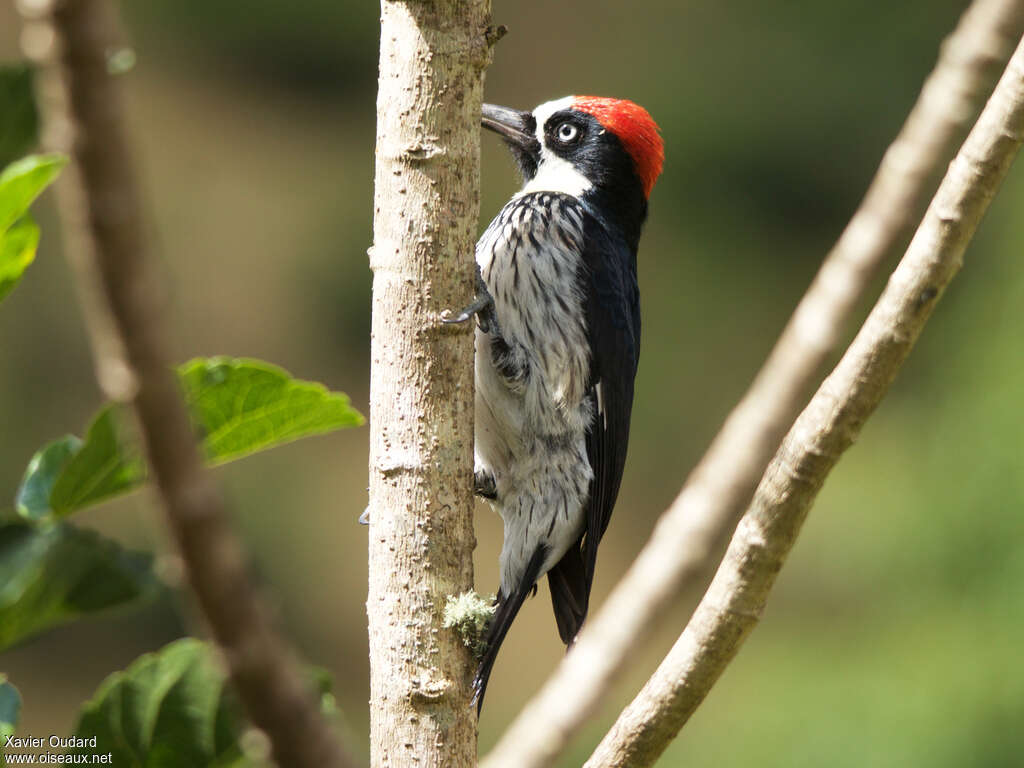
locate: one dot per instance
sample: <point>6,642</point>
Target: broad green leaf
<point>239,407</point>
<point>33,499</point>
<point>105,465</point>
<point>22,181</point>
<point>10,710</point>
<point>17,250</point>
<point>244,406</point>
<point>50,575</point>
<point>174,708</point>
<point>19,128</point>
<point>169,708</point>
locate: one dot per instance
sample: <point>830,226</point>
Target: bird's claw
<point>477,307</point>
<point>482,307</point>
<point>484,485</point>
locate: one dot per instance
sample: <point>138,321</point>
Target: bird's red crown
<point>636,130</point>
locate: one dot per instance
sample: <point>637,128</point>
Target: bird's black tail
<point>570,593</point>
<point>508,607</point>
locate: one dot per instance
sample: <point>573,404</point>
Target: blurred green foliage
<point>68,474</point>
<point>21,182</point>
<point>239,407</point>
<point>892,636</point>
<point>19,128</point>
<point>168,708</point>
<point>174,708</point>
<point>54,574</point>
<point>10,709</point>
<point>32,501</point>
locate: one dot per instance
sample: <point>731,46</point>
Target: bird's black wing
<point>612,307</point>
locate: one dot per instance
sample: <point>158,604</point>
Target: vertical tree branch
<point>432,60</point>
<point>261,667</point>
<point>688,537</point>
<point>825,429</point>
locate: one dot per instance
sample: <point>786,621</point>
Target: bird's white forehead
<point>554,174</point>
<point>548,108</point>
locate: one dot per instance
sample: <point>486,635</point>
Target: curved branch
<point>825,429</point>
<point>687,538</point>
<point>262,668</point>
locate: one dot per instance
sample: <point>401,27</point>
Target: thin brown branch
<point>825,429</point>
<point>684,545</point>
<point>262,668</point>
<point>421,539</point>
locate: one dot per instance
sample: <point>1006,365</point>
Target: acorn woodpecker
<point>557,342</point>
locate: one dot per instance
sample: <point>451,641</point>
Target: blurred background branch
<point>81,35</point>
<point>825,429</point>
<point>687,540</point>
<point>112,371</point>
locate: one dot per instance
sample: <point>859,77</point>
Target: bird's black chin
<point>517,129</point>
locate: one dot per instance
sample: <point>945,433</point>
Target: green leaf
<point>238,406</point>
<point>19,129</point>
<point>174,708</point>
<point>22,181</point>
<point>105,465</point>
<point>68,474</point>
<point>169,708</point>
<point>10,710</point>
<point>33,499</point>
<point>50,575</point>
<point>17,250</point>
<point>20,184</point>
<point>244,406</point>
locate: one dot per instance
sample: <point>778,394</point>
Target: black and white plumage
<point>558,343</point>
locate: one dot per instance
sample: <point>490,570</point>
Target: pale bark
<point>688,537</point>
<point>432,60</point>
<point>81,33</point>
<point>826,428</point>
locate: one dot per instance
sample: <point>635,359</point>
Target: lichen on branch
<point>469,615</point>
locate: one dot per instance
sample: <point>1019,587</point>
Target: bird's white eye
<point>567,132</point>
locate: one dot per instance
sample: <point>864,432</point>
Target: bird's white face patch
<point>554,174</point>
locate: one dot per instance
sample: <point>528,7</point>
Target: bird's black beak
<point>512,125</point>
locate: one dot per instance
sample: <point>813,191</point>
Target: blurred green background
<point>894,635</point>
